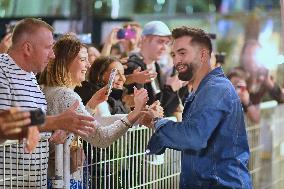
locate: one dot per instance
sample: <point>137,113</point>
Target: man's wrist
<point>49,125</point>
<point>155,120</point>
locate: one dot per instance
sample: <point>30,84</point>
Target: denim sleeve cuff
<point>160,123</point>
<point>155,145</point>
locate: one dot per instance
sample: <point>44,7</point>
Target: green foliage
<point>226,46</point>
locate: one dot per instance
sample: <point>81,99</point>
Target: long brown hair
<point>57,71</point>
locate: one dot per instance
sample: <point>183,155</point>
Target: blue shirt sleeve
<point>190,134</point>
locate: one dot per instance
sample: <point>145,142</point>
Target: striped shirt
<point>17,168</point>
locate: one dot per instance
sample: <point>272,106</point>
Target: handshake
<point>151,113</point>
<point>144,114</point>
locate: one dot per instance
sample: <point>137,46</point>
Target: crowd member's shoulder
<point>4,61</point>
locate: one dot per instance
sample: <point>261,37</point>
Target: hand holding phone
<point>126,33</point>
<point>111,80</point>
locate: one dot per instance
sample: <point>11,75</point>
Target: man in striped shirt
<point>31,50</point>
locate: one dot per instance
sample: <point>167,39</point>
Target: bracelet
<point>126,122</point>
<point>245,107</point>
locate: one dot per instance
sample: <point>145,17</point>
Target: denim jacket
<point>212,137</point>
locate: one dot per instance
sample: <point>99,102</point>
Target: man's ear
<point>27,48</point>
<point>204,55</point>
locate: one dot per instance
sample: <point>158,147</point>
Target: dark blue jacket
<point>212,137</point>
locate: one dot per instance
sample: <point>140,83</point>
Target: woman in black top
<point>98,77</point>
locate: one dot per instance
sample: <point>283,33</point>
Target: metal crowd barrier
<point>272,140</point>
<point>254,165</point>
<point>125,165</point>
<point>19,172</point>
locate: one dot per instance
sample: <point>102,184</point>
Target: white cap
<point>156,28</point>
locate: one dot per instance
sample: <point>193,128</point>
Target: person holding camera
<point>238,77</point>
<point>259,82</point>
<point>212,135</point>
<point>31,49</point>
<point>126,39</point>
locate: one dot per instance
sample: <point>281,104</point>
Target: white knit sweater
<point>107,130</point>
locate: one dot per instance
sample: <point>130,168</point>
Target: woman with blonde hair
<point>68,70</point>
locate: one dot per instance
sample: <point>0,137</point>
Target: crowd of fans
<point>74,81</point>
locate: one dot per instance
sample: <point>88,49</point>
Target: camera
<point>37,117</point>
<point>126,33</point>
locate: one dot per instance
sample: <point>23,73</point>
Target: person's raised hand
<point>143,77</point>
<point>156,109</point>
<point>174,82</point>
<point>111,38</point>
<point>147,116</point>
<point>99,97</point>
<point>242,91</point>
<point>59,137</point>
<point>5,43</point>
<point>140,98</point>
<point>73,122</point>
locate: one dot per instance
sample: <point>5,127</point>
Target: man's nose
<point>176,60</point>
<point>164,46</point>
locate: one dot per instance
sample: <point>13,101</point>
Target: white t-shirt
<point>20,88</point>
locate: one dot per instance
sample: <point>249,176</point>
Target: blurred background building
<point>234,21</point>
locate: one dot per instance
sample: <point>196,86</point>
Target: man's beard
<point>188,74</point>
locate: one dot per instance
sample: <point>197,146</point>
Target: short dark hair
<point>28,26</point>
<point>99,67</point>
<point>238,72</point>
<point>198,36</point>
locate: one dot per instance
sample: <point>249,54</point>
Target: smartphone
<point>126,33</point>
<point>111,80</point>
<point>37,117</point>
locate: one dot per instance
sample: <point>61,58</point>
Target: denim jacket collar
<point>214,73</point>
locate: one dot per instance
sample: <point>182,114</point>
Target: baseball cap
<point>156,28</point>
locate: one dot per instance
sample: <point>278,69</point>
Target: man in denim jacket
<point>212,135</point>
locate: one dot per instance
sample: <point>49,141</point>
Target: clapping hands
<point>140,98</point>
